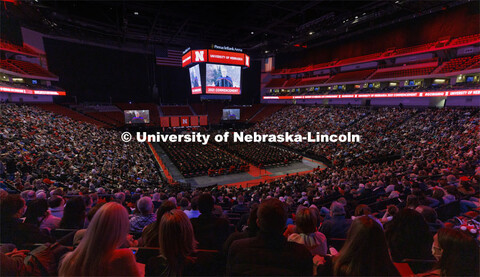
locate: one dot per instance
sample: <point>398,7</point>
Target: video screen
<point>195,80</point>
<point>231,114</point>
<point>137,116</point>
<point>223,79</point>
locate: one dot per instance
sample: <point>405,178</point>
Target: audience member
<point>56,204</point>
<point>241,207</point>
<point>74,214</point>
<point>150,233</point>
<point>430,216</point>
<point>210,231</point>
<point>365,252</point>
<point>307,234</point>
<point>144,217</point>
<point>13,230</point>
<point>250,231</point>
<point>98,253</point>
<point>38,214</point>
<point>338,225</point>
<point>457,254</point>
<point>408,236</point>
<point>269,253</point>
<point>177,245</point>
<point>193,212</point>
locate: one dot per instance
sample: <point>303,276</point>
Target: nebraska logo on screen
<point>199,55</point>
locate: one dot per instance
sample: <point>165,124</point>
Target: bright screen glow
<point>195,80</point>
<point>231,114</point>
<point>223,79</point>
<point>137,116</point>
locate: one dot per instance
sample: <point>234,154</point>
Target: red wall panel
<point>194,120</point>
<point>174,121</point>
<point>165,121</point>
<point>203,120</point>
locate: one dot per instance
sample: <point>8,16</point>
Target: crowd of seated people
<point>195,159</point>
<point>317,224</point>
<point>302,119</point>
<point>414,215</point>
<point>260,154</point>
<point>377,140</point>
<point>370,124</point>
<point>385,132</point>
<point>40,148</point>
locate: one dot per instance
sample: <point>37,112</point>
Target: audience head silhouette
<point>176,239</point>
<point>106,232</point>
<point>365,252</point>
<point>271,216</point>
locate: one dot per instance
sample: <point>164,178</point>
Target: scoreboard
<point>215,71</point>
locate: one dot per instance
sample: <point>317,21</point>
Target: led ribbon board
<point>215,56</point>
<point>31,91</point>
<point>380,95</point>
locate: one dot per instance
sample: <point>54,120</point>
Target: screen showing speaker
<point>137,116</point>
<point>231,114</point>
<point>195,79</point>
<point>223,79</point>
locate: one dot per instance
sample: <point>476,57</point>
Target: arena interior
<point>254,138</point>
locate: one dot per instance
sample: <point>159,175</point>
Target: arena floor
<point>255,176</point>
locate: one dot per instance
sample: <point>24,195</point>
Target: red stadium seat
<point>276,83</point>
<point>351,76</point>
<point>403,73</point>
<point>458,64</point>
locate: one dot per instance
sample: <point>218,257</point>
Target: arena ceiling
<point>257,26</point>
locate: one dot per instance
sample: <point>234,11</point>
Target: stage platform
<point>249,179</point>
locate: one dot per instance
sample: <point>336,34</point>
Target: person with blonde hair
<point>98,253</point>
<point>177,247</point>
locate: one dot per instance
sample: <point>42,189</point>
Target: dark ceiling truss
<point>289,15</point>
<point>261,26</point>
